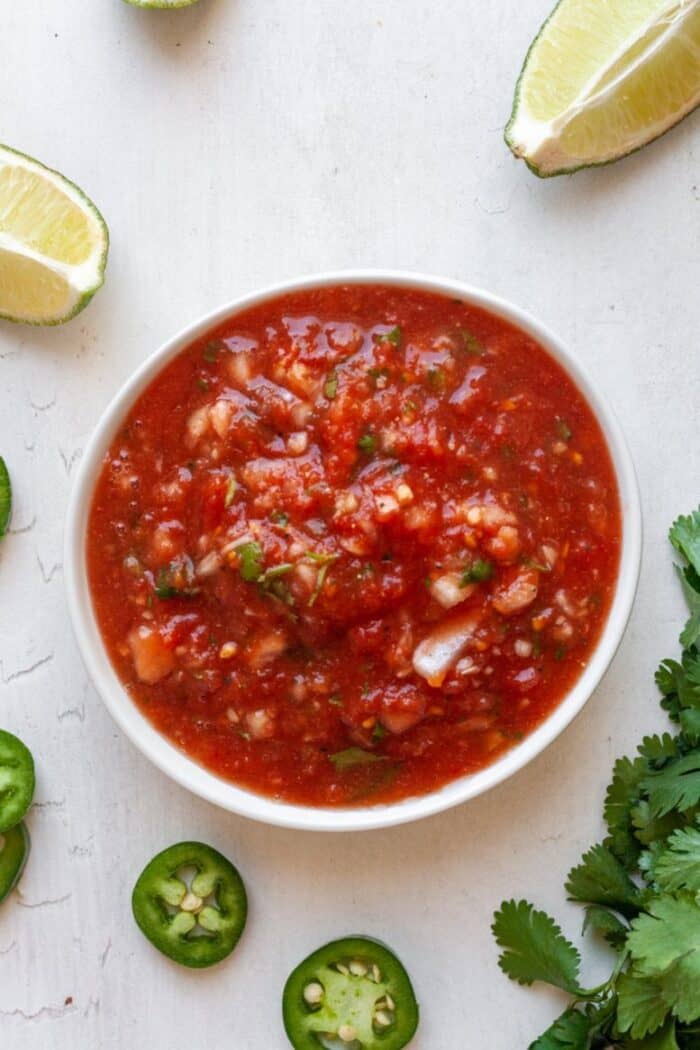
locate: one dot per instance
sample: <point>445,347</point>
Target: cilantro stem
<point>601,990</point>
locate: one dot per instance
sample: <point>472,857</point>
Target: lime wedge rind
<point>672,31</point>
<point>79,281</point>
<point>74,299</point>
<point>566,166</point>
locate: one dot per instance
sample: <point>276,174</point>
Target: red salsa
<point>354,543</point>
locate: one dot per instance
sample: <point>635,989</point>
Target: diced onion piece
<point>358,545</point>
<point>549,554</point>
<point>562,631</point>
<point>386,507</point>
<point>505,545</point>
<point>240,367</point>
<point>346,502</point>
<point>297,443</point>
<point>152,658</point>
<point>259,724</point>
<point>493,516</point>
<point>516,595</point>
<point>238,541</point>
<point>167,541</point>
<point>401,713</point>
<point>307,574</point>
<point>197,425</point>
<point>302,380</point>
<point>209,564</point>
<point>565,603</point>
<point>448,590</point>
<point>264,650</point>
<point>220,415</point>
<point>417,518</point>
<point>301,412</point>
<point>436,654</point>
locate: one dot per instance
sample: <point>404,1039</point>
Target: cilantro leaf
<point>658,750</point>
<point>378,733</point>
<point>680,683</point>
<point>601,879</point>
<point>478,572</point>
<point>250,558</point>
<point>571,1031</point>
<point>623,793</point>
<point>680,984</point>
<point>470,343</point>
<point>436,378</point>
<point>685,537</point>
<point>607,924</point>
<point>367,444</point>
<point>690,582</point>
<point>534,947</point>
<point>563,429</point>
<point>662,1039</point>
<point>354,756</point>
<point>678,866</point>
<point>665,945</point>
<point>176,580</point>
<point>211,350</point>
<point>393,336</point>
<point>676,786</point>
<point>640,1007</point>
<point>690,723</point>
<point>647,859</point>
<point>651,830</point>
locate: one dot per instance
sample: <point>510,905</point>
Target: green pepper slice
<point>352,994</point>
<point>191,904</point>
<point>14,850</point>
<point>5,497</point>
<point>16,780</point>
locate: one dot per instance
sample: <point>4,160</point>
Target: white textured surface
<point>230,145</point>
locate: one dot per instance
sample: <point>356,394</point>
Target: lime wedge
<point>53,243</point>
<point>5,498</point>
<point>162,5</point>
<point>603,79</point>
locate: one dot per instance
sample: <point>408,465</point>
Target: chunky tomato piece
<point>402,708</point>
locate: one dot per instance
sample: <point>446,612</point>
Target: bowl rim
<point>207,785</point>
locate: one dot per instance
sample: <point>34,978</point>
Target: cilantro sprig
<point>641,886</point>
<point>534,948</point>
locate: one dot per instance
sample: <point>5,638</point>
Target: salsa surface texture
<point>354,543</point>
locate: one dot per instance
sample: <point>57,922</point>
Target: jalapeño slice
<point>5,498</point>
<point>190,902</point>
<point>16,780</point>
<point>352,994</point>
<point>14,850</point>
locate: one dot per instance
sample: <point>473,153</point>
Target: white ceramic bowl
<point>239,800</point>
